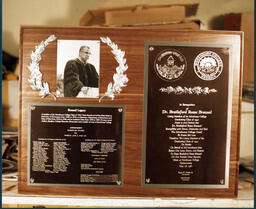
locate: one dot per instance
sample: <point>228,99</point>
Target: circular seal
<point>170,65</point>
<point>208,65</point>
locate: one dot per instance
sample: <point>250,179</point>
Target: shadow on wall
<point>76,10</point>
<point>9,42</point>
<point>217,23</point>
<point>230,21</point>
<point>209,8</point>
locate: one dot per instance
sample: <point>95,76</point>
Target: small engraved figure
<point>208,65</point>
<point>170,70</point>
<point>79,75</point>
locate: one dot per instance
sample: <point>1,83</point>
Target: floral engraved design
<point>120,79</point>
<point>36,76</point>
<point>184,90</point>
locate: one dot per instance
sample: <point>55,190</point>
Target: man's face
<point>85,54</point>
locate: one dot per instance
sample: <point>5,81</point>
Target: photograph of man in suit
<point>80,77</point>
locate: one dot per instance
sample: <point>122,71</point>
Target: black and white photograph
<point>78,63</point>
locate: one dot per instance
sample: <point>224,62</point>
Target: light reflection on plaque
<point>187,113</point>
<point>76,145</point>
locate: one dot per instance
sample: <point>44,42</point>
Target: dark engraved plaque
<point>187,115</point>
<point>76,144</point>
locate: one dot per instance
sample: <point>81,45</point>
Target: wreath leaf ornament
<point>36,76</point>
<point>120,79</point>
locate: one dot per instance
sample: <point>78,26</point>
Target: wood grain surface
<point>132,42</point>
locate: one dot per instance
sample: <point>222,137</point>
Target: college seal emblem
<point>170,65</point>
<point>208,65</point>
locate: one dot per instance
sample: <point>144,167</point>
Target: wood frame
<point>132,42</point>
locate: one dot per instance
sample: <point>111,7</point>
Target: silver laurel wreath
<point>195,90</point>
<point>120,79</point>
<point>36,76</point>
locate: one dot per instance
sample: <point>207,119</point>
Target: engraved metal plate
<point>76,145</point>
<point>187,115</point>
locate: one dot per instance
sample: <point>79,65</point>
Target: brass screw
<point>151,48</point>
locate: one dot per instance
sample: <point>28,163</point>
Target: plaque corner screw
<point>151,48</point>
<point>32,107</point>
<point>222,181</point>
<point>118,182</point>
<point>32,180</point>
<point>148,180</point>
<point>120,109</point>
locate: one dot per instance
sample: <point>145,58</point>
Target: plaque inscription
<point>187,114</point>
<point>76,144</point>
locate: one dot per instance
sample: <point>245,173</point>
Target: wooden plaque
<point>117,49</point>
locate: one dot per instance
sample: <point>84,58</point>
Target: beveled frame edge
<point>241,34</point>
<point>20,108</point>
